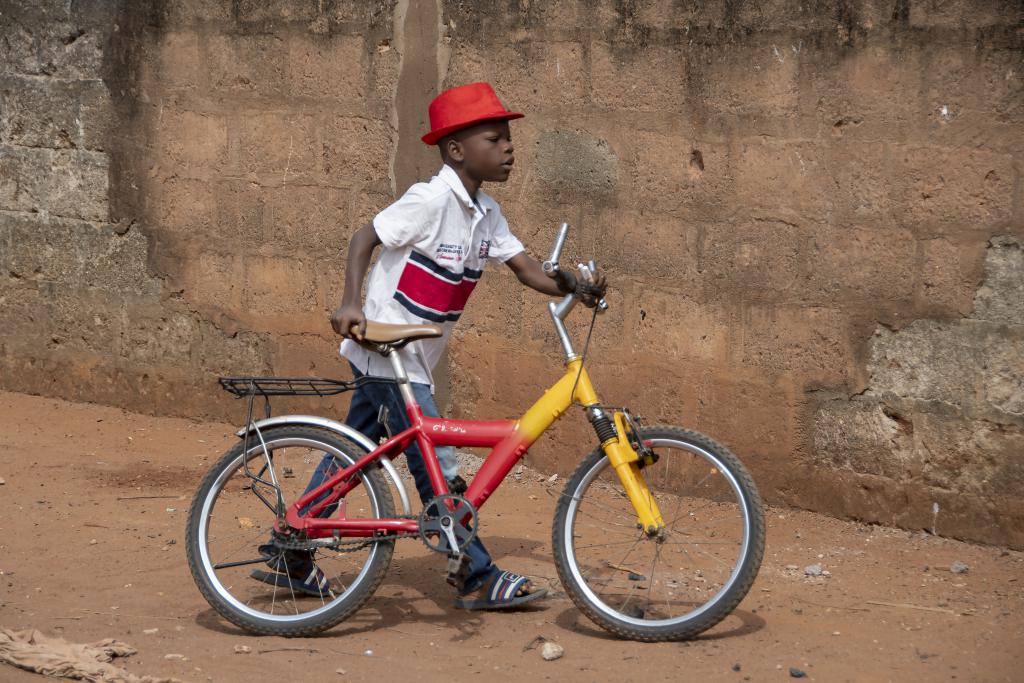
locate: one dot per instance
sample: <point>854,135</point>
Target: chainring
<point>448,523</point>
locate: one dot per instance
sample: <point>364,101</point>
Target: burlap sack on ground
<point>33,651</point>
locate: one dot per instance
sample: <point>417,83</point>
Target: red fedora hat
<point>462,107</point>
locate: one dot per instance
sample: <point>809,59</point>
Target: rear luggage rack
<point>295,386</point>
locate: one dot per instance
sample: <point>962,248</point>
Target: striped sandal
<point>294,571</point>
<point>506,590</point>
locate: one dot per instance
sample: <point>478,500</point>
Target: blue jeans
<point>362,416</point>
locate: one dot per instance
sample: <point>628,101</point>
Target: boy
<point>436,239</point>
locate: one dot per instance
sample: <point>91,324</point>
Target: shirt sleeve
<point>409,220</point>
<point>504,245</point>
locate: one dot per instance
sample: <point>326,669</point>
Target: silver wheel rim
<point>204,517</point>
<point>607,610</point>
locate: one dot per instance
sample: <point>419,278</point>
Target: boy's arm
<point>530,273</point>
<point>350,312</point>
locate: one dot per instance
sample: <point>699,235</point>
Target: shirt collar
<point>448,174</point>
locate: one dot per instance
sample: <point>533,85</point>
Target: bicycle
<point>658,534</point>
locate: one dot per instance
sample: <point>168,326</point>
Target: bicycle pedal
<point>458,570</point>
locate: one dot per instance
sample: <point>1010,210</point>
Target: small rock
<point>796,673</point>
<point>633,576</point>
<point>813,570</point>
<point>340,672</point>
<point>242,649</point>
<point>551,651</point>
<point>93,541</point>
<point>172,509</point>
<point>736,666</point>
<point>174,657</point>
<point>792,567</point>
<point>553,478</point>
<point>368,653</point>
<point>150,631</point>
<point>2,481</point>
<point>959,567</point>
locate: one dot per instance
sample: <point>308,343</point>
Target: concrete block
<point>651,79</point>
<point>575,164</point>
<point>758,259</point>
<point>972,457</point>
<point>307,355</point>
<point>39,113</point>
<point>954,187</point>
<point>240,216</point>
<point>219,352</point>
<point>308,219</point>
<point>98,121</point>
<point>182,13</point>
<point>276,12</point>
<point>193,140</point>
<point>676,173</point>
<point>759,81</point>
<point>179,63</point>
<point>356,153</point>
<point>67,183</point>
<point>972,365</point>
<point>845,264</point>
<point>786,178</point>
<point>163,339</point>
<point>247,64</point>
<point>659,249</point>
<point>331,68</point>
<point>1000,299</point>
<point>811,342</point>
<point>870,93</point>
<point>962,14</point>
<point>867,437</point>
<point>276,146</point>
<point>279,285</point>
<point>69,50</point>
<point>79,255</point>
<point>187,209</point>
<point>19,51</point>
<point>211,282</point>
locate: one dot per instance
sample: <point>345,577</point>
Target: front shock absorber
<point>602,425</point>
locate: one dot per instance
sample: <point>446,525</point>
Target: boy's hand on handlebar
<point>349,322</point>
<point>591,292</point>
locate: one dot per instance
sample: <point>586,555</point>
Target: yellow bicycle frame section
<point>621,455</point>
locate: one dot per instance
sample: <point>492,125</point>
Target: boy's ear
<point>452,150</point>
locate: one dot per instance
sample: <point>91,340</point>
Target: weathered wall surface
<point>811,214</point>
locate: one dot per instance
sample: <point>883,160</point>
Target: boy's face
<point>483,151</point>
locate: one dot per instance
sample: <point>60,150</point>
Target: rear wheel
<point>682,581</point>
<point>229,536</point>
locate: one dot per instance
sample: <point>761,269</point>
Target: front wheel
<point>676,584</point>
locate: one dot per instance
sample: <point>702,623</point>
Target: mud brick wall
<point>811,214</point>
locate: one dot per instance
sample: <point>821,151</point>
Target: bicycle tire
<point>580,580</point>
<point>246,616</point>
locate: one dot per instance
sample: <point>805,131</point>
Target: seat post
<point>404,386</point>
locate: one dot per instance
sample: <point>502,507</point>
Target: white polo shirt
<point>436,240</point>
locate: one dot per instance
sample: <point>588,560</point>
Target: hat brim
<point>434,136</point>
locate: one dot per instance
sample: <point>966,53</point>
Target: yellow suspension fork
<point>575,384</point>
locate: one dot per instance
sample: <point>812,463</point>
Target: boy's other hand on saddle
<point>349,321</point>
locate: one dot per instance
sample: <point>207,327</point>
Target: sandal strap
<point>506,586</point>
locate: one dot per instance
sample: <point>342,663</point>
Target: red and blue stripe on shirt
<point>433,292</point>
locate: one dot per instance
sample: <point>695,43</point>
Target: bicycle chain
<point>338,544</point>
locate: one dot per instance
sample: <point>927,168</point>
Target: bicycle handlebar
<point>586,270</point>
<point>551,265</point>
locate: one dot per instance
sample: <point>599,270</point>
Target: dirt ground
<point>92,547</point>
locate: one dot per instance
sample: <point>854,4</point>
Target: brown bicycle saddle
<point>398,335</point>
